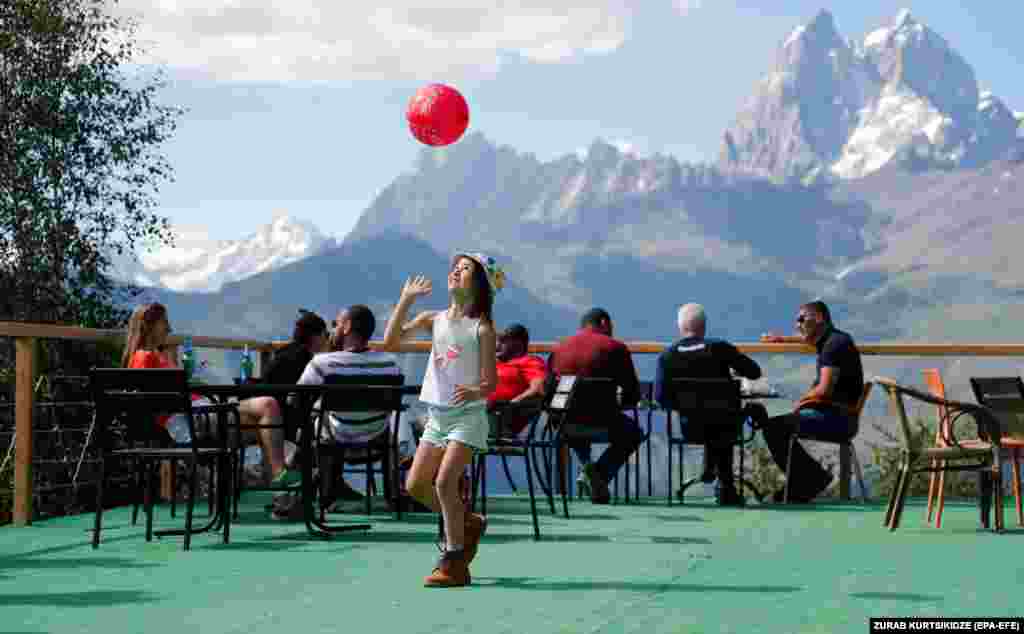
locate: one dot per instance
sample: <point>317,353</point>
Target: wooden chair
<point>1005,397</point>
<point>846,445</point>
<point>985,454</point>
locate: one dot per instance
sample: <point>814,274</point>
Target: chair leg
<point>902,500</point>
<point>932,482</point>
<point>789,465</point>
<point>1015,455</point>
<point>941,493</point>
<point>139,481</point>
<point>669,471</point>
<point>192,483</point>
<point>174,488</point>
<point>860,475</point>
<point>369,485</point>
<point>210,488</point>
<point>891,508</point>
<point>997,484</point>
<point>239,475</point>
<point>508,473</point>
<point>100,484</point>
<point>561,459</point>
<point>533,498</point>
<point>224,494</point>
<point>148,500</point>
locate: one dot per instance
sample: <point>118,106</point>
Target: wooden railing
<point>27,335</point>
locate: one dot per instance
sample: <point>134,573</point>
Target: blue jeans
<point>808,477</point>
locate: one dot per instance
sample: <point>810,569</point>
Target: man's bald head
<point>692,320</point>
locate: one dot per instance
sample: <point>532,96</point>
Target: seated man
<point>308,337</point>
<point>351,356</point>
<point>592,352</point>
<point>521,376</point>
<point>694,356</point>
<point>825,410</point>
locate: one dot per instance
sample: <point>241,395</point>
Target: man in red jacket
<point>592,352</point>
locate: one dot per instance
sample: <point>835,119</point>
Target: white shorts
<point>466,424</point>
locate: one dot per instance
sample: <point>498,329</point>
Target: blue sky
<point>298,107</point>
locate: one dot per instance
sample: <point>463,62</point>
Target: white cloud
<point>311,40</point>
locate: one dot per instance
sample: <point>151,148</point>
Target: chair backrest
<point>137,397</point>
<point>699,396</point>
<point>163,390</point>
<point>381,393</point>
<point>933,382</point>
<point>1004,396</point>
<point>573,392</point>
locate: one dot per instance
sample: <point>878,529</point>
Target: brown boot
<point>452,571</point>
<point>476,526</point>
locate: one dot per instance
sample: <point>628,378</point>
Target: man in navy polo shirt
<point>696,357</point>
<point>827,410</point>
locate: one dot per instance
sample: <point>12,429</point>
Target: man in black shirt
<point>694,356</point>
<point>308,337</point>
<point>828,409</point>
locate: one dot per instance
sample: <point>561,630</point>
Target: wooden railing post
<point>844,472</point>
<point>24,405</point>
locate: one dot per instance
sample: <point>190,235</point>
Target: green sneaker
<point>287,478</point>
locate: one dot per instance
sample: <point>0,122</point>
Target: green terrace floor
<point>620,568</point>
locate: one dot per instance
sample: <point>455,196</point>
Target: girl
<point>148,328</point>
<point>461,373</point>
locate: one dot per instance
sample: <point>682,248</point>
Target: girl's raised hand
<point>416,287</point>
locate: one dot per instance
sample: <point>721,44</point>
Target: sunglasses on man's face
<point>801,319</point>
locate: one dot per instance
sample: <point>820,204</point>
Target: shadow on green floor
<point>91,598</point>
<point>535,583</point>
<point>679,518</point>
<point>897,596</point>
<point>32,563</point>
<point>430,538</point>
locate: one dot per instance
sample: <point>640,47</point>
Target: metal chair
<point>713,410</point>
<point>504,444</point>
<point>134,398</point>
<point>380,404</point>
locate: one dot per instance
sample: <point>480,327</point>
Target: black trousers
<point>624,437</point>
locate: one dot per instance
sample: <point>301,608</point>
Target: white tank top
<point>454,359</point>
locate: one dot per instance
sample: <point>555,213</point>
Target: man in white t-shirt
<point>351,356</point>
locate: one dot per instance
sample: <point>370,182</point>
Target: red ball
<point>437,115</point>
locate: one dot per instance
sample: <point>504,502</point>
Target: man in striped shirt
<point>351,356</point>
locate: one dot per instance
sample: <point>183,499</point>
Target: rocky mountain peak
<point>832,108</point>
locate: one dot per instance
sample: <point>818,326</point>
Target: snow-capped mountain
<point>197,263</point>
<point>836,108</point>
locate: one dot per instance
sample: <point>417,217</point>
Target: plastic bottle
<point>245,365</point>
<point>177,427</point>
<point>188,359</point>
